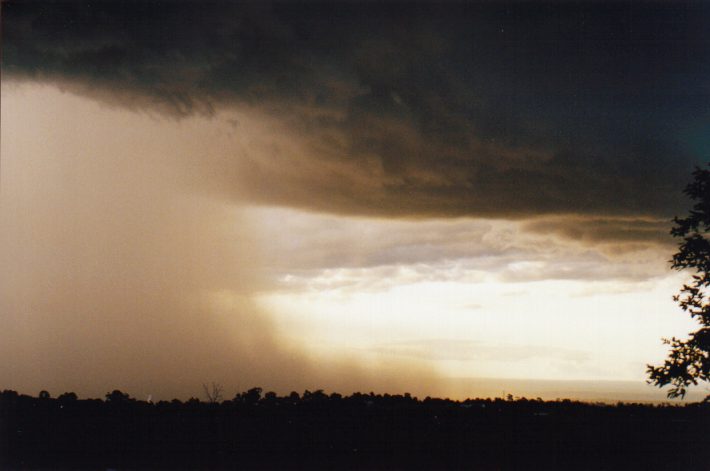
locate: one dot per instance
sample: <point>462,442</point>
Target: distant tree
<point>252,396</point>
<point>67,397</point>
<point>317,396</point>
<point>117,397</point>
<point>214,394</point>
<point>689,360</point>
<point>9,393</point>
<point>270,398</point>
<point>335,396</point>
<point>44,394</point>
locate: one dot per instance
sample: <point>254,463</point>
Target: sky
<point>449,198</point>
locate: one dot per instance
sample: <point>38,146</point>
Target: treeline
<point>316,430</point>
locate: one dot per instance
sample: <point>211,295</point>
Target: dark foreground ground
<point>319,431</point>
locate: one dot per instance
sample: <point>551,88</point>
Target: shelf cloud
<point>491,109</point>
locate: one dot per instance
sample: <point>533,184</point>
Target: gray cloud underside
<point>430,110</point>
<point>331,252</point>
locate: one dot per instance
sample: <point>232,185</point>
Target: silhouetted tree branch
<point>689,360</point>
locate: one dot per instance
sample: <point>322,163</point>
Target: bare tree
<point>214,394</point>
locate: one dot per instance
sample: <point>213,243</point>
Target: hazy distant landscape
<point>586,391</point>
<point>315,430</point>
<point>426,202</point>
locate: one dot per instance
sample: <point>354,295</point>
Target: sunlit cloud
<point>341,250</point>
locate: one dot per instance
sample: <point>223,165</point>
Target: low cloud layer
<point>492,109</point>
<point>326,252</point>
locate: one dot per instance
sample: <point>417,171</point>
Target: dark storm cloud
<point>437,109</point>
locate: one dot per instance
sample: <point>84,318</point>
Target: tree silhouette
<point>117,397</point>
<point>689,360</point>
<point>252,396</point>
<point>214,395</point>
<point>68,397</point>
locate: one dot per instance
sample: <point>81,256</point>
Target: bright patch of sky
<point>473,298</point>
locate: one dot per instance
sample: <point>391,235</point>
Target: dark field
<point>361,431</point>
